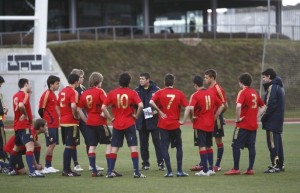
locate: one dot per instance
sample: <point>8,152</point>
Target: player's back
<point>66,97</point>
<point>48,102</point>
<point>22,97</point>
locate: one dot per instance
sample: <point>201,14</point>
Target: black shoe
<point>116,174</point>
<point>282,169</point>
<point>138,175</point>
<point>145,167</point>
<point>169,175</point>
<point>70,174</point>
<point>109,175</point>
<point>97,174</point>
<point>272,170</point>
<point>161,167</point>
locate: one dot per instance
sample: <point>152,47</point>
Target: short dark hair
<point>211,73</point>
<point>269,72</point>
<point>169,79</point>
<point>245,79</point>
<point>39,123</point>
<point>52,79</point>
<point>124,79</point>
<point>72,78</point>
<point>22,82</point>
<point>145,74</point>
<point>198,80</point>
<point>1,79</point>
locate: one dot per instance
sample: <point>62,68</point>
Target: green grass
<point>155,182</point>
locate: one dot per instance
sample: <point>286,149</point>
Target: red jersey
<point>204,102</point>
<point>220,93</point>
<point>250,101</point>
<point>66,97</point>
<point>123,101</point>
<point>22,97</point>
<point>170,101</point>
<point>92,100</point>
<point>8,147</point>
<point>48,102</point>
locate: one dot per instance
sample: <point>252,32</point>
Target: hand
<point>5,110</point>
<point>134,116</point>
<point>240,119</point>
<point>23,117</point>
<point>162,115</point>
<point>181,123</point>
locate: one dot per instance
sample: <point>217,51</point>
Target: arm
<point>23,111</point>
<point>81,114</point>
<point>225,107</point>
<point>106,113</point>
<point>152,103</point>
<point>187,113</point>
<point>219,111</point>
<point>74,111</point>
<point>271,103</point>
<point>261,111</point>
<point>138,111</point>
<point>238,113</point>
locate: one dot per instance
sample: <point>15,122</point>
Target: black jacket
<point>274,98</point>
<point>145,95</point>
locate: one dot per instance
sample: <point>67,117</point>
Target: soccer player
<point>3,111</point>
<point>123,101</point>
<point>249,106</point>
<point>272,120</point>
<point>146,123</point>
<point>22,125</point>
<point>96,125</point>
<point>204,108</point>
<point>48,110</point>
<point>40,126</point>
<point>69,121</point>
<point>168,102</point>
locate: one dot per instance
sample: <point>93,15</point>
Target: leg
<point>164,144</point>
<point>144,148</point>
<point>280,153</point>
<point>156,143</point>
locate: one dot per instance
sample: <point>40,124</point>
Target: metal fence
<point>21,38</point>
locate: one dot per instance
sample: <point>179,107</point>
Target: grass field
<point>155,182</point>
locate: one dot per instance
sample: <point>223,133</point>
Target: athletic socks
<point>92,159</point>
<point>48,161</point>
<point>219,154</point>
<point>204,158</point>
<point>210,158</point>
<point>30,162</point>
<point>135,161</point>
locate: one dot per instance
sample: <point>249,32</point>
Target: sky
<point>290,2</point>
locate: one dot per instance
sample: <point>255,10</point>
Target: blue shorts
<point>98,134</point>
<point>243,138</point>
<point>52,136</point>
<point>171,136</point>
<point>204,139</point>
<point>219,129</point>
<point>23,136</point>
<point>71,135</point>
<point>118,137</point>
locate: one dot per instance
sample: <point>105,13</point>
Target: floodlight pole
<point>269,19</point>
<point>40,19</point>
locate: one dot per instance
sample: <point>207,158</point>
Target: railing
<point>291,32</point>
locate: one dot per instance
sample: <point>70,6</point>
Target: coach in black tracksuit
<point>272,120</point>
<point>146,126</point>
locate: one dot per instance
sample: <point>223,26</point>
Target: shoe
<point>138,175</point>
<point>109,175</point>
<point>36,174</point>
<point>70,174</point>
<point>98,168</point>
<point>4,170</point>
<point>182,174</point>
<point>98,174</point>
<point>12,173</point>
<point>161,167</point>
<point>169,174</point>
<point>282,169</point>
<point>272,170</point>
<point>145,167</point>
<point>116,174</point>
<point>217,168</point>
<point>78,168</point>
<point>232,172</point>
<point>196,168</point>
<point>49,170</point>
<point>201,173</point>
<point>249,172</point>
<point>211,172</point>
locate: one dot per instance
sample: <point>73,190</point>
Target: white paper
<point>147,112</point>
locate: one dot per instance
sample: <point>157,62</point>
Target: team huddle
<point>148,110</point>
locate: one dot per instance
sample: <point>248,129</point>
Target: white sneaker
<point>98,168</point>
<point>201,173</point>
<point>44,171</point>
<point>50,170</point>
<point>211,173</point>
<point>78,168</point>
